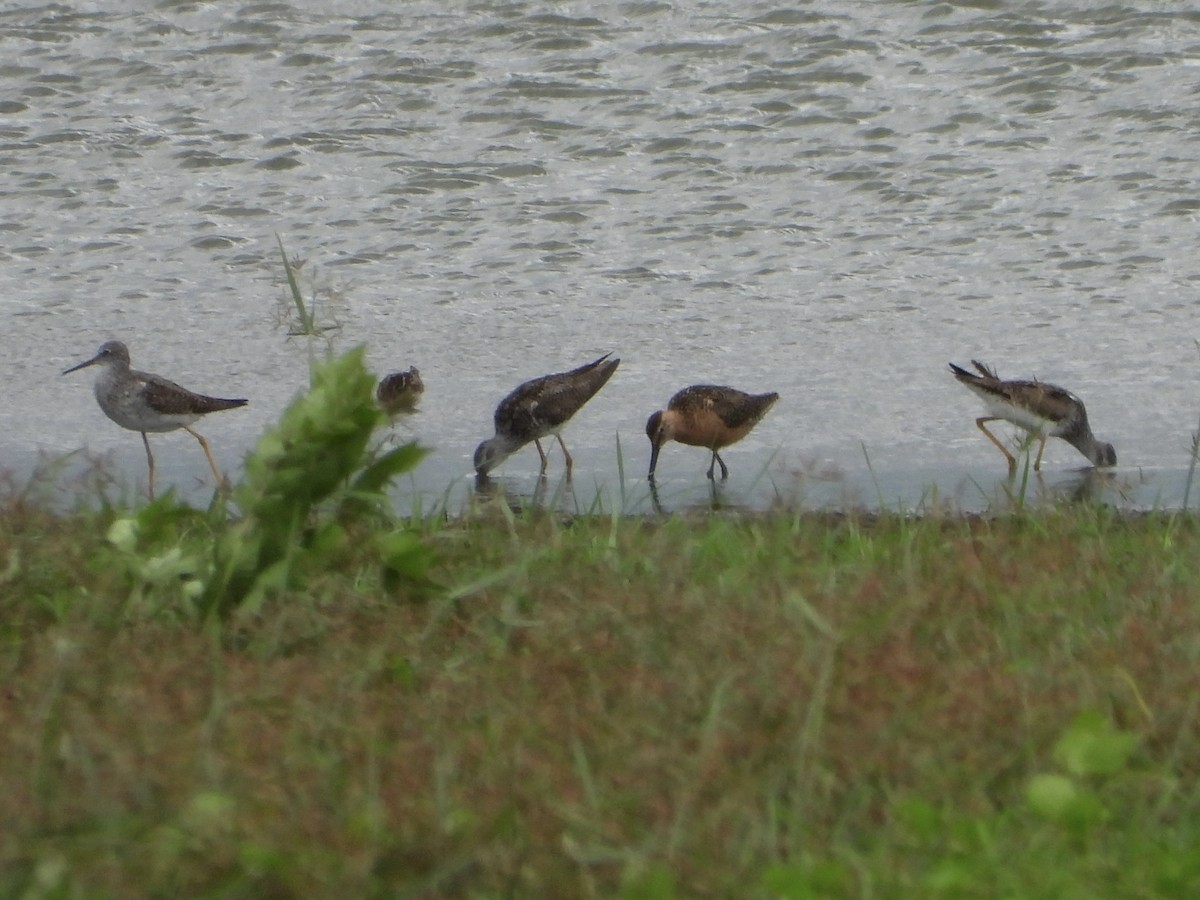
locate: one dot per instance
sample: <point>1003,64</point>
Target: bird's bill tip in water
<point>488,455</point>
<point>654,432</point>
<point>655,446</point>
<point>480,460</point>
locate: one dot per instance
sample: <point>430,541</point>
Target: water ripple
<point>799,197</point>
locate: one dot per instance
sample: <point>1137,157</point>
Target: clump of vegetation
<point>316,454</point>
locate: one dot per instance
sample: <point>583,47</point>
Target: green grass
<point>776,706</point>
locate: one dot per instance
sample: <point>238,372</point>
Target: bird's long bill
<point>655,446</point>
<point>91,361</point>
<point>82,365</point>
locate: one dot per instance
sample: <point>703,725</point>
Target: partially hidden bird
<point>145,403</point>
<point>399,391</point>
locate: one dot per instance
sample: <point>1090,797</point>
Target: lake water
<point>831,200</point>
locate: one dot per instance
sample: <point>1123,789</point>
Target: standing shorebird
<point>399,391</point>
<point>1044,410</point>
<point>707,415</point>
<point>143,402</point>
<point>539,408</point>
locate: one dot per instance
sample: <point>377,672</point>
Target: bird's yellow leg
<point>221,485</point>
<point>980,422</point>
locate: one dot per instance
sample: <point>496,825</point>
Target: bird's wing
<point>561,396</point>
<point>171,399</point>
<point>1047,400</point>
<point>743,409</point>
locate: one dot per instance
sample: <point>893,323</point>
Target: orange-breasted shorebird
<point>707,415</point>
<point>399,391</point>
<point>1044,410</point>
<point>143,402</point>
<point>539,408</point>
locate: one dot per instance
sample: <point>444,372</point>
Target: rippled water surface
<point>831,200</point>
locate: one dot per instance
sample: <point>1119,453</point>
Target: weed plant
<point>306,323</point>
<point>317,454</point>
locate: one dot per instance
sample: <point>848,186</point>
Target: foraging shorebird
<point>400,390</point>
<point>143,402</point>
<point>539,408</point>
<point>1044,410</point>
<point>707,415</point>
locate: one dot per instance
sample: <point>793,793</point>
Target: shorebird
<point>143,402</point>
<point>539,408</point>
<point>707,415</point>
<point>400,390</point>
<point>1044,410</point>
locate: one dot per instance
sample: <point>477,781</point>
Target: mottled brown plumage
<point>399,391</point>
<point>539,408</point>
<point>1044,410</point>
<point>144,402</point>
<point>707,415</point>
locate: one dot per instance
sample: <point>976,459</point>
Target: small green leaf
<point>1092,746</point>
<point>1060,799</point>
<point>396,462</point>
<point>123,534</point>
<point>1051,796</point>
<point>920,817</point>
<point>653,882</point>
